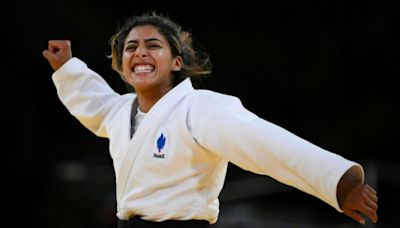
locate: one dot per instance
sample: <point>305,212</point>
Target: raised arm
<point>85,94</point>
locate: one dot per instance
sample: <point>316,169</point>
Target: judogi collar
<point>157,111</point>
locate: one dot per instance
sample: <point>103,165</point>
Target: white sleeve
<point>223,126</point>
<point>85,94</point>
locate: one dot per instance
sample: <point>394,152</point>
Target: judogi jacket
<point>175,164</point>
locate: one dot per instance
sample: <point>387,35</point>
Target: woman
<point>171,143</point>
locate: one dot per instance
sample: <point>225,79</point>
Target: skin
<point>145,45</point>
<point>357,198</point>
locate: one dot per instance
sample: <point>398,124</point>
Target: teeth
<point>143,68</point>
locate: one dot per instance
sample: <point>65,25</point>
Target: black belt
<point>137,222</point>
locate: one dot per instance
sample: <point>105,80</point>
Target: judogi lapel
<point>162,107</point>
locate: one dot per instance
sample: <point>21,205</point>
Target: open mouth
<point>143,68</point>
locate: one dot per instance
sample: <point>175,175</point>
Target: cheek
<point>164,60</point>
<point>125,62</point>
<point>162,55</point>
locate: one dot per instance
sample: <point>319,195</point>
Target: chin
<point>141,85</point>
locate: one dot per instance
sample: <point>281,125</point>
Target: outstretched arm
<point>58,52</point>
<point>357,198</point>
<point>264,148</point>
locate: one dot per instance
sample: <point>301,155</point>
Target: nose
<point>141,51</point>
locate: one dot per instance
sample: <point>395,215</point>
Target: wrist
<point>346,184</point>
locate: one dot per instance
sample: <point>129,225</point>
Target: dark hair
<point>196,63</point>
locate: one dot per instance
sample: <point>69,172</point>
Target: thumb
<point>52,58</point>
<point>48,55</point>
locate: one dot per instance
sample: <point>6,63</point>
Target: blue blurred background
<point>325,70</point>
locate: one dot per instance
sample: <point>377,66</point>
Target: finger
<point>370,189</point>
<point>61,43</point>
<point>370,212</point>
<point>370,198</point>
<point>372,209</point>
<point>354,215</point>
<point>372,195</point>
<point>371,204</point>
<point>52,45</point>
<point>57,45</point>
<point>364,208</point>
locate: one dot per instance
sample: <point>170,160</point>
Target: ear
<point>177,63</point>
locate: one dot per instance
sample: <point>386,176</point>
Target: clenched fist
<point>58,52</point>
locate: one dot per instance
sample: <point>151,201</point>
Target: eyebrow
<point>145,40</point>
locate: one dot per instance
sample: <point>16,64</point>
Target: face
<point>147,61</point>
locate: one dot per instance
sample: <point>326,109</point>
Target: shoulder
<point>202,101</point>
<point>210,96</point>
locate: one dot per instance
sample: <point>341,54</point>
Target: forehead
<point>144,32</point>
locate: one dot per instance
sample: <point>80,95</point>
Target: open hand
<point>361,200</point>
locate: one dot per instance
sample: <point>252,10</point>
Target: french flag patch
<point>160,143</point>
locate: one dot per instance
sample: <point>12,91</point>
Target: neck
<point>146,100</point>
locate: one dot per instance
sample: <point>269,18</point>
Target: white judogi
<point>174,166</point>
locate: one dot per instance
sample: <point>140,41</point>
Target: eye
<point>130,48</point>
<point>154,46</point>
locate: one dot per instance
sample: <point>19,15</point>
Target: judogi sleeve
<point>86,95</point>
<point>220,124</point>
